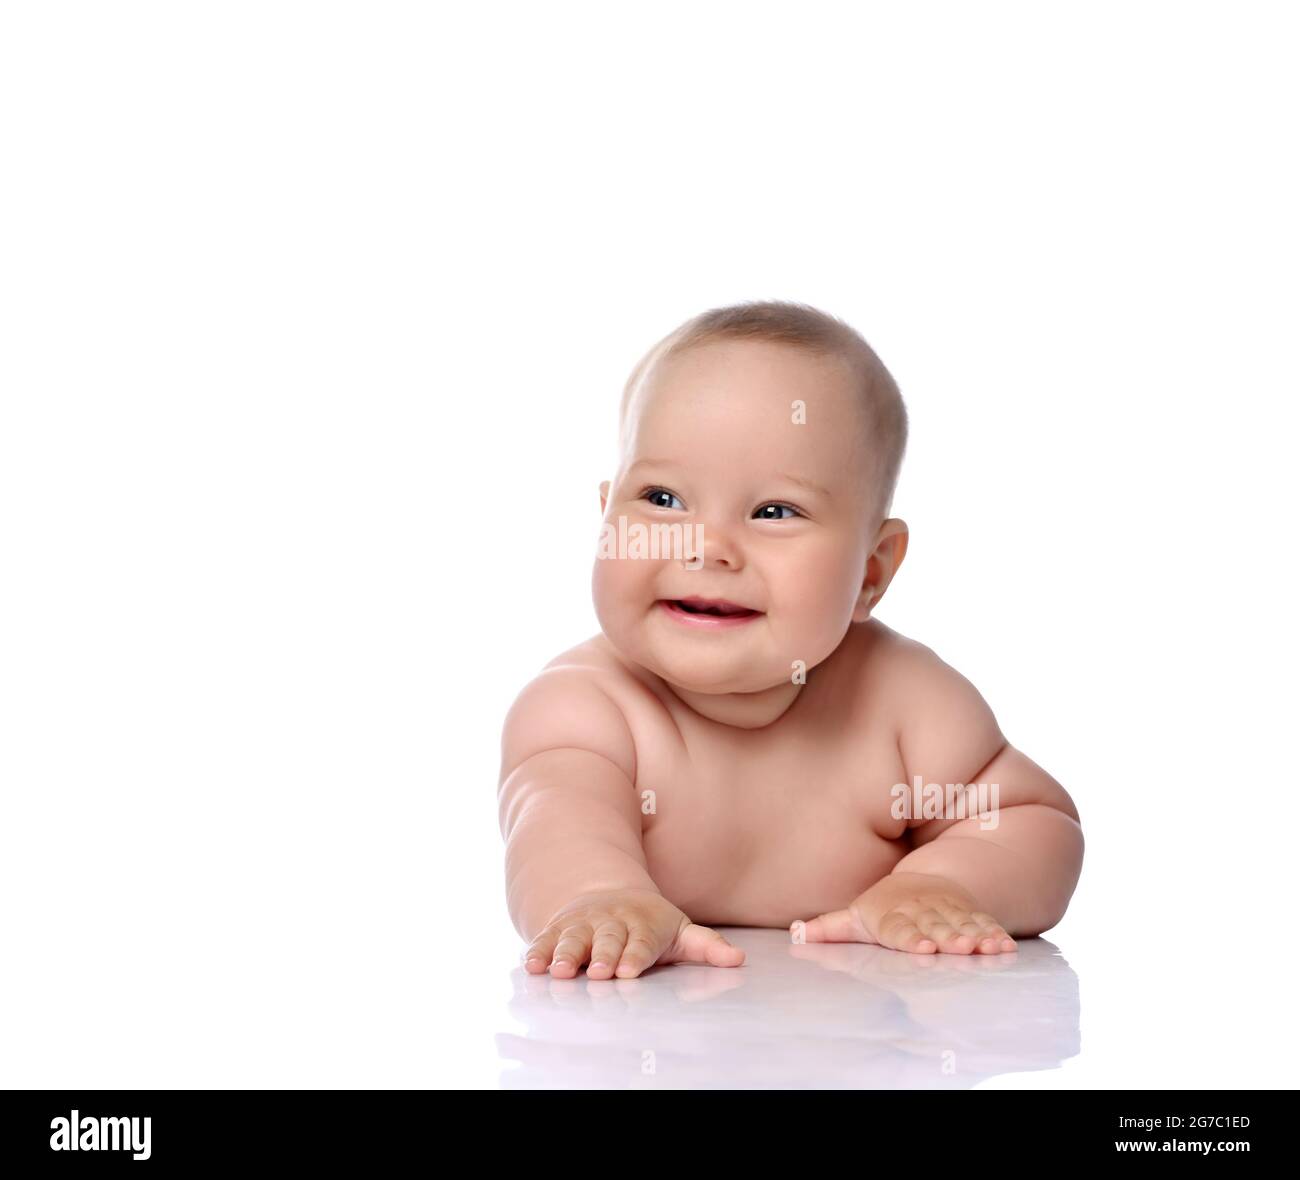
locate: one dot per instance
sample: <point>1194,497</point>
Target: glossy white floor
<point>797,1016</point>
<point>1154,1008</point>
<point>337,995</point>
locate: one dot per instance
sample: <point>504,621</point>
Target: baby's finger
<point>700,944</point>
<point>898,931</point>
<point>571,951</point>
<point>836,926</point>
<point>606,949</point>
<point>639,953</point>
<point>946,936</point>
<point>987,937</point>
<point>538,955</point>
<point>983,938</point>
<point>992,933</point>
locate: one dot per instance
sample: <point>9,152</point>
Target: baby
<point>744,743</point>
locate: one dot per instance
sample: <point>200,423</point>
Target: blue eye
<point>662,499</point>
<point>773,512</point>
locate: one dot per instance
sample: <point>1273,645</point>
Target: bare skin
<point>670,775</point>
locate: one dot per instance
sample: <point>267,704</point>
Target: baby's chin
<point>711,672</point>
<point>722,688</point>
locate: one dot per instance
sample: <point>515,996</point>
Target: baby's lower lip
<point>706,622</point>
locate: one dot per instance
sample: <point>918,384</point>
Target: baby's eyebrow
<point>805,483</point>
<point>802,482</point>
<point>661,464</point>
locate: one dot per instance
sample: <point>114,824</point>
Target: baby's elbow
<point>1065,863</point>
<point>1042,917</point>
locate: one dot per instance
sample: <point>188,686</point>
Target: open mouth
<point>708,612</point>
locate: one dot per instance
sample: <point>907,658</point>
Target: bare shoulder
<point>574,702</point>
<point>946,730</point>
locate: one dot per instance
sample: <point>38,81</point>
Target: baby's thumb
<point>837,926</point>
<point>699,944</point>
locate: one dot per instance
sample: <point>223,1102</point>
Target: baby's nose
<point>718,547</point>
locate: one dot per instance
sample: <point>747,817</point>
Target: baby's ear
<point>882,565</point>
<point>604,495</point>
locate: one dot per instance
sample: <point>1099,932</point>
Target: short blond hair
<point>801,326</point>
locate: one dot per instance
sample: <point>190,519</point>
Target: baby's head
<point>774,434</point>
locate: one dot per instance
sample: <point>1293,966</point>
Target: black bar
<point>362,1129</point>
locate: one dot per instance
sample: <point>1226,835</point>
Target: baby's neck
<point>743,710</point>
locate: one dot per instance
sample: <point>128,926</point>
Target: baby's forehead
<point>750,409</point>
<point>749,379</point>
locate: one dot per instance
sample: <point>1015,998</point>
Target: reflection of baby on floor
<point>876,1019</point>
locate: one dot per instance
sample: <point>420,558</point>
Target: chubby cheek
<point>813,597</point>
<point>622,591</point>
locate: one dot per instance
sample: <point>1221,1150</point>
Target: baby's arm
<point>966,886</point>
<point>1025,869</point>
<point>576,879</point>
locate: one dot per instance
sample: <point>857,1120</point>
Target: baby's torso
<point>768,827</point>
<point>761,827</point>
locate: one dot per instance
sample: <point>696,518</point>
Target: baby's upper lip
<point>718,604</point>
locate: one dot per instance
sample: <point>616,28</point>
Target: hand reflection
<point>820,1015</point>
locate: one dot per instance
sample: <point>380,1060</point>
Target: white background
<point>315,318</point>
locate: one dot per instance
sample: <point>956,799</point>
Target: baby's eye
<point>775,512</point>
<point>662,499</point>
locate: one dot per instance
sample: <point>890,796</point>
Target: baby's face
<point>713,439</point>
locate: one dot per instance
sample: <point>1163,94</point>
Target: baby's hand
<point>912,912</point>
<point>622,933</point>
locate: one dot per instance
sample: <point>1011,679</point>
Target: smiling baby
<point>744,744</point>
